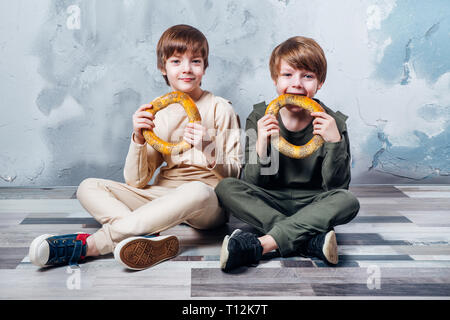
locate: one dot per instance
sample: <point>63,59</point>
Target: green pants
<point>290,216</point>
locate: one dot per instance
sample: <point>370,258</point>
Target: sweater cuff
<point>334,145</point>
<point>135,143</point>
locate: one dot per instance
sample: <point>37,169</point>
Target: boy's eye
<point>197,61</point>
<point>286,74</point>
<point>174,61</point>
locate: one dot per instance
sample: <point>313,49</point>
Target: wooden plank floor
<point>397,246</point>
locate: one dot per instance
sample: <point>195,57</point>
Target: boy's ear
<point>319,86</point>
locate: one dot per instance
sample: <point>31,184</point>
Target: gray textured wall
<point>73,72</point>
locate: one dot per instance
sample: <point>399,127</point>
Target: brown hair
<point>300,53</point>
<point>179,39</point>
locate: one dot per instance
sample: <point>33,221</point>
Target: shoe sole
<point>139,253</point>
<point>330,248</point>
<point>34,250</point>
<point>224,250</point>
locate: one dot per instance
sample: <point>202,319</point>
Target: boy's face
<point>296,81</point>
<point>184,72</point>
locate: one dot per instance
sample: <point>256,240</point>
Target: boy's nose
<point>297,82</point>
<point>186,67</point>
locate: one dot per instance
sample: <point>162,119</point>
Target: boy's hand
<point>142,120</point>
<point>196,135</point>
<point>325,126</point>
<point>267,126</point>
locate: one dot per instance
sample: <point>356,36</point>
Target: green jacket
<point>326,169</point>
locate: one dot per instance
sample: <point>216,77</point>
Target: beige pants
<point>125,211</point>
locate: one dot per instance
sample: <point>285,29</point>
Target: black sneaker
<point>240,249</point>
<point>324,246</point>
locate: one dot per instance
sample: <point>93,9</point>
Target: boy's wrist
<point>261,149</point>
<point>137,140</point>
<point>263,154</point>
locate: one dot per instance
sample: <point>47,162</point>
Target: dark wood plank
<point>11,257</point>
<point>91,222</point>
<point>37,193</point>
<point>389,289</point>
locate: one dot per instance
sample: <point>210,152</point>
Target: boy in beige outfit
<point>133,213</point>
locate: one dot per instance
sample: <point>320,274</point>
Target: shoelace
<point>76,254</point>
<point>65,251</point>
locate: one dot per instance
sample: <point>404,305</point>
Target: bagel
<point>160,103</point>
<point>284,147</point>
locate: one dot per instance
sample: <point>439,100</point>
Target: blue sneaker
<point>138,253</point>
<point>49,250</point>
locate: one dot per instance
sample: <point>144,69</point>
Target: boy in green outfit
<point>295,206</point>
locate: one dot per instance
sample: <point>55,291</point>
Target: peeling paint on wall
<point>419,33</point>
<point>419,152</point>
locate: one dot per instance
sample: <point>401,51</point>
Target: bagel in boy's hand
<point>286,148</point>
<point>160,103</point>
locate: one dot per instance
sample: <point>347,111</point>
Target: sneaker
<point>240,249</point>
<point>324,246</point>
<point>50,250</point>
<point>138,253</point>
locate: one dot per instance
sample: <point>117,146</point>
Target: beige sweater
<point>221,122</point>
